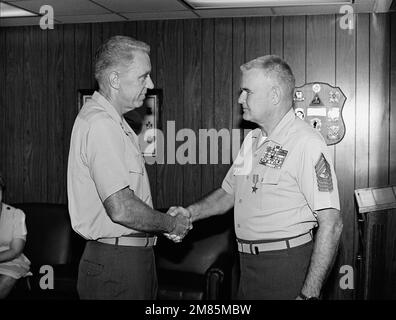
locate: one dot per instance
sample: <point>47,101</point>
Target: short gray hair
<point>115,51</point>
<point>275,68</point>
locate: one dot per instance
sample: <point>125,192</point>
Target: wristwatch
<point>304,297</point>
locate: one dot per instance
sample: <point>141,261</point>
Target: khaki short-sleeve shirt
<point>290,176</point>
<point>104,158</point>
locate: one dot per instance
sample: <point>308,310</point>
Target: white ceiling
<point>85,11</point>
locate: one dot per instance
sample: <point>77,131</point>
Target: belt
<point>254,247</point>
<point>132,240</point>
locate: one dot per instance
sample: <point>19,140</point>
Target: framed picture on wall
<point>144,120</point>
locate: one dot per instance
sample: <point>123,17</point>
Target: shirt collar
<point>108,107</point>
<point>280,133</point>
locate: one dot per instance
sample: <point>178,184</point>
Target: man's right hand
<point>183,223</point>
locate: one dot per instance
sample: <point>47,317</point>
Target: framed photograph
<point>144,120</point>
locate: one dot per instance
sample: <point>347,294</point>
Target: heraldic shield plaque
<point>320,105</point>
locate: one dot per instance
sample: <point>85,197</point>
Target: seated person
<point>13,263</point>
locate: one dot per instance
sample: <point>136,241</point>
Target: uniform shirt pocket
<point>271,176</point>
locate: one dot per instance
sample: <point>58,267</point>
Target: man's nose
<point>149,83</point>
<point>242,97</point>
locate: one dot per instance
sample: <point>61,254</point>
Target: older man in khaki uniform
<point>281,185</point>
<point>110,203</point>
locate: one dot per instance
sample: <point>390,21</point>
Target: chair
<point>200,267</point>
<point>50,241</point>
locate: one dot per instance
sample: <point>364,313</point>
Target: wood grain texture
<point>258,37</point>
<point>238,59</point>
<point>35,116</point>
<point>83,60</point>
<point>345,79</point>
<point>96,41</point>
<point>277,36</point>
<point>392,90</point>
<point>362,110</point>
<point>294,46</point>
<point>3,102</point>
<point>113,29</point>
<point>223,93</point>
<point>170,79</point>
<point>130,29</point>
<point>320,52</point>
<point>379,100</point>
<point>56,138</point>
<point>207,96</point>
<point>192,60</point>
<point>14,116</point>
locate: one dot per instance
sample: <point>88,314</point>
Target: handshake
<point>183,223</point>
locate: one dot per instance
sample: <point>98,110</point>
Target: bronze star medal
<point>323,175</point>
<point>255,180</point>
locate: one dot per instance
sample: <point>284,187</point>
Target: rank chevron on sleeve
<point>323,175</point>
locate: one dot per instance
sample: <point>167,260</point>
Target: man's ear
<point>276,94</point>
<point>114,80</point>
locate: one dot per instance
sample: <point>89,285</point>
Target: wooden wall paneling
<point>391,245</point>
<point>320,67</point>
<point>207,96</point>
<point>277,36</point>
<point>96,41</point>
<point>294,46</point>
<point>320,51</point>
<point>362,111</point>
<point>258,37</point>
<point>3,104</point>
<point>192,60</point>
<point>147,31</point>
<point>380,113</point>
<point>223,93</point>
<point>170,78</point>
<point>15,125</point>
<point>130,28</point>
<point>113,29</point>
<point>83,56</point>
<point>56,178</point>
<point>320,56</point>
<point>70,89</point>
<point>345,152</point>
<point>392,135</point>
<point>35,116</point>
<point>238,58</point>
<point>379,100</point>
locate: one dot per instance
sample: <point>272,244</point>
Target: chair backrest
<point>48,233</point>
<point>201,247</point>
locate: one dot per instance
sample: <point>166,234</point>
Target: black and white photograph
<point>198,157</point>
